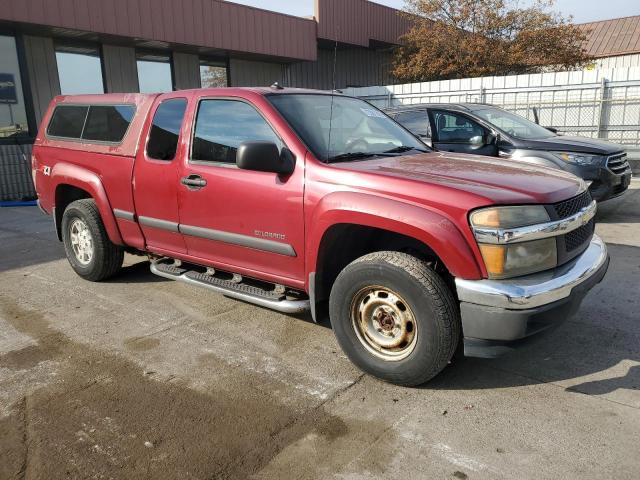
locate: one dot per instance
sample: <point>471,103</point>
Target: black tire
<point>430,301</point>
<point>107,258</point>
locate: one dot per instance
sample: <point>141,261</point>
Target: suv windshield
<point>348,129</point>
<point>514,125</point>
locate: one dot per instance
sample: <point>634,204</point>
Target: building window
<point>154,72</point>
<point>13,114</point>
<point>213,74</point>
<point>79,69</point>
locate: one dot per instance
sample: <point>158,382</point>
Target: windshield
<point>347,130</point>
<point>514,125</point>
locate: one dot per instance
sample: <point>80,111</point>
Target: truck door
<point>156,176</point>
<point>244,221</point>
<point>456,132</point>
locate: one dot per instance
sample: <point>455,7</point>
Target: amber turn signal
<point>494,258</point>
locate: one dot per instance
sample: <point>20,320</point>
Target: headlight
<point>517,259</point>
<point>504,260</point>
<point>578,158</point>
<point>509,217</point>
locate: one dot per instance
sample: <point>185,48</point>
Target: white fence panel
<point>602,103</point>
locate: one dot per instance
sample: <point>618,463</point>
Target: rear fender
<point>434,230</point>
<point>79,177</point>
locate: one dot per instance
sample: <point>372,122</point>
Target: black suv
<point>483,129</point>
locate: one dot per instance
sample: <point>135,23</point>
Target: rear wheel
<point>395,317</point>
<point>89,251</point>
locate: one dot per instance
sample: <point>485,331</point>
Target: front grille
<point>573,205</point>
<point>618,163</point>
<point>579,236</point>
<point>572,244</point>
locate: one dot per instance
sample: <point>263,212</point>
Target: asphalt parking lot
<point>145,378</point>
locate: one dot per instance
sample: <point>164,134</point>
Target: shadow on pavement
<point>624,209</point>
<point>604,333</point>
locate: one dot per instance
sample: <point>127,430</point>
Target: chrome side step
<point>275,300</point>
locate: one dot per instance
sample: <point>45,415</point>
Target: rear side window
<point>94,123</point>
<point>108,123</point>
<point>416,122</point>
<point>67,121</point>
<point>222,125</point>
<point>165,130</point>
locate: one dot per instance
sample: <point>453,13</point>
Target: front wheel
<point>395,317</point>
<point>89,251</point>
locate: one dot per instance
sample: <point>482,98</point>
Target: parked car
<point>484,129</point>
<point>303,200</point>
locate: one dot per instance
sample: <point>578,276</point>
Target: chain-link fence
<point>599,103</point>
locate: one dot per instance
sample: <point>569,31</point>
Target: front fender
<point>79,177</point>
<point>434,230</point>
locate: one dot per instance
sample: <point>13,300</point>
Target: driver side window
<point>455,128</point>
<point>222,125</point>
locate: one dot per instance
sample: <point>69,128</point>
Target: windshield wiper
<point>350,156</point>
<point>404,148</point>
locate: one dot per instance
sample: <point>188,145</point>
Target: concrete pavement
<point>140,377</point>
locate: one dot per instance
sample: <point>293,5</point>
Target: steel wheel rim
<point>384,323</point>
<point>81,241</point>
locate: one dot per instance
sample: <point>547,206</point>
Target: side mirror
<point>492,138</point>
<point>477,141</point>
<point>552,130</point>
<point>264,157</point>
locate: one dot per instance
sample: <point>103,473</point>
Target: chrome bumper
<point>538,289</point>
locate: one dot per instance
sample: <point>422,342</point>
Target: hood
<point>497,181</point>
<point>573,144</point>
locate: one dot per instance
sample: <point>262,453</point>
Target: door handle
<point>194,182</point>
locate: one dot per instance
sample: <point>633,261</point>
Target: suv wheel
<point>395,317</point>
<point>86,243</point>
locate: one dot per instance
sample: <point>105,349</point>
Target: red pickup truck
<point>305,200</point>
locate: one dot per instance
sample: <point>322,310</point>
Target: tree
<point>472,38</point>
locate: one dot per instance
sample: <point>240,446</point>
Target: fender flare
<point>434,230</point>
<point>68,174</point>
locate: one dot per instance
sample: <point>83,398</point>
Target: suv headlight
<point>578,158</point>
<point>513,259</point>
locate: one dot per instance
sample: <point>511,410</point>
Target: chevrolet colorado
<point>304,200</point>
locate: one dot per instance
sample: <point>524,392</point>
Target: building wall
<point>186,70</point>
<point>42,71</point>
<point>251,73</point>
<point>214,24</point>
<point>15,173</point>
<point>353,67</point>
<point>120,71</point>
<point>358,22</point>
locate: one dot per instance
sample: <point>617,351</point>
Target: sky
<point>582,10</point>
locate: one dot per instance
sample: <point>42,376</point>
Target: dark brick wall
<point>15,173</point>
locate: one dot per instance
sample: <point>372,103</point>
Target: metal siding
<point>43,72</point>
<point>15,173</point>
<point>248,73</point>
<point>357,22</point>
<point>186,70</point>
<point>618,36</point>
<point>120,69</point>
<point>354,66</point>
<point>173,22</point>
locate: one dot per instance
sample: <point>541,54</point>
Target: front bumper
<point>603,183</point>
<point>499,315</point>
